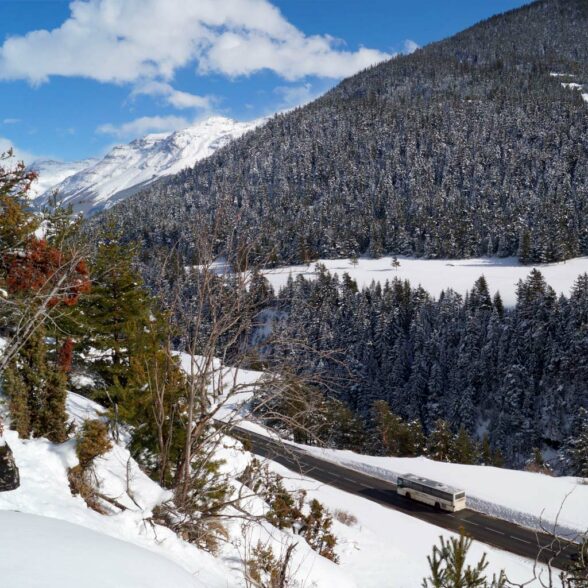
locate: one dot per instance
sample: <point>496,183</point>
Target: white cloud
<point>11,121</point>
<point>19,154</point>
<point>144,40</point>
<point>292,96</point>
<point>173,97</point>
<point>410,46</point>
<point>144,125</point>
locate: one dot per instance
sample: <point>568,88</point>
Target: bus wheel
<point>437,506</point>
<point>408,495</point>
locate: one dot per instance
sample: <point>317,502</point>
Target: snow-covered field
<point>436,275</point>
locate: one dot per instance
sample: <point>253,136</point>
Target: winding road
<point>484,528</point>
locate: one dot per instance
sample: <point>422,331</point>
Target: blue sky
<point>76,78</point>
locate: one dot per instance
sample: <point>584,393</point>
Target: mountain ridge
<point>128,168</point>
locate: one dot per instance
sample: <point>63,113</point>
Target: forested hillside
<point>470,146</point>
<point>515,375</point>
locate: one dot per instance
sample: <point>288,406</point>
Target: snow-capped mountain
<point>53,172</point>
<point>128,168</point>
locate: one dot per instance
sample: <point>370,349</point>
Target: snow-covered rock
<point>9,476</point>
<point>128,168</point>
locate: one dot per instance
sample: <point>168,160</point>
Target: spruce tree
<point>578,446</point>
<point>36,391</point>
<point>449,567</point>
<point>16,389</point>
<point>440,444</point>
<point>116,313</point>
<point>464,449</point>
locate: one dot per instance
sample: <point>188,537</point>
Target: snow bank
<point>436,275</point>
<point>39,552</point>
<point>525,498</point>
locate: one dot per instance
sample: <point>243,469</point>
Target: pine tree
<point>464,449</point>
<point>524,251</point>
<point>449,568</point>
<point>485,450</point>
<point>578,446</point>
<point>440,444</point>
<point>54,415</point>
<point>153,405</point>
<point>498,304</point>
<point>36,392</point>
<point>116,314</point>
<point>15,387</point>
<point>16,221</point>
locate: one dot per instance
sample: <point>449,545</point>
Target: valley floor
<point>436,275</point>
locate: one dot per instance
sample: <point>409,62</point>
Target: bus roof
<point>431,483</point>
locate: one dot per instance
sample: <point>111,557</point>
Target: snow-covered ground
<point>436,275</point>
<point>45,492</point>
<point>42,552</point>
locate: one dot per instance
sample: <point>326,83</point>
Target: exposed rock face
<point>9,476</point>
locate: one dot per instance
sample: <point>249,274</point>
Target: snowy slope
<point>436,275</point>
<point>53,172</point>
<point>51,531</point>
<point>45,492</point>
<point>128,168</point>
<point>40,552</point>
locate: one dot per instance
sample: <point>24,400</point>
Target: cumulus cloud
<point>19,154</point>
<point>173,97</point>
<point>298,95</point>
<point>410,46</point>
<point>135,41</point>
<point>144,125</point>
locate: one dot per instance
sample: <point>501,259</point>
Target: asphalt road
<point>495,532</point>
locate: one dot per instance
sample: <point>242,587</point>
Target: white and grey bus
<point>430,492</point>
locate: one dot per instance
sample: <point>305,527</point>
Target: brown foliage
<point>93,442</point>
<point>39,268</point>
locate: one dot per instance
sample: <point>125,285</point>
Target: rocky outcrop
<point>9,476</point>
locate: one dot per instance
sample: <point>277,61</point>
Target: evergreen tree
<point>15,387</point>
<point>464,449</point>
<point>36,391</point>
<point>578,446</point>
<point>524,250</point>
<point>440,443</point>
<point>449,568</point>
<point>116,314</point>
